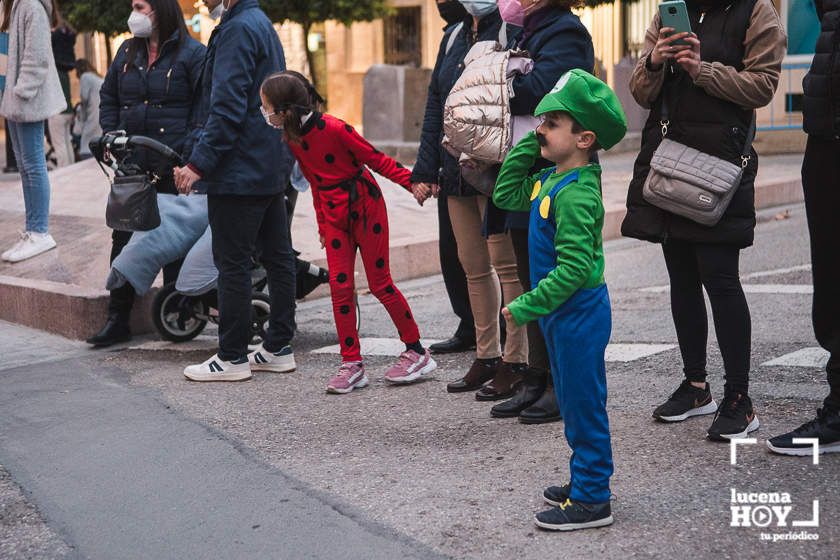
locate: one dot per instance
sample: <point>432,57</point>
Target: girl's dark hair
<point>7,15</point>
<point>170,18</point>
<point>83,66</point>
<point>291,91</point>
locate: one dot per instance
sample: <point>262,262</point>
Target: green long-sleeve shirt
<point>578,213</point>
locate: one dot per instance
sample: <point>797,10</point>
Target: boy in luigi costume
<point>569,297</point>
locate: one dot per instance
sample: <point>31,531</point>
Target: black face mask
<point>452,11</point>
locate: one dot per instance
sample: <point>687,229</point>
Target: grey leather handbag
<point>691,183</point>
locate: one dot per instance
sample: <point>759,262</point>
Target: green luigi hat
<point>590,102</point>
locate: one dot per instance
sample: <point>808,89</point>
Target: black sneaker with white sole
<point>570,516</point>
<point>735,418</point>
<point>556,495</point>
<point>685,402</point>
<point>825,428</point>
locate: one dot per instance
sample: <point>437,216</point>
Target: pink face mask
<point>512,12</point>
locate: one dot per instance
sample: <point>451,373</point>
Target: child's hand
<point>435,190</point>
<point>507,314</point>
<point>421,192</point>
<point>323,241</point>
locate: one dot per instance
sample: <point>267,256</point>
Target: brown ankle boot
<point>504,384</point>
<point>479,374</point>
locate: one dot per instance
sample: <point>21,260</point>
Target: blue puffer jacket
<point>235,151</point>
<point>557,42</point>
<point>156,101</point>
<point>434,164</point>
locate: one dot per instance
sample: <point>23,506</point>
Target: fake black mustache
<point>541,140</point>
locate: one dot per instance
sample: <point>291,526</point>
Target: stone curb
<point>76,312</point>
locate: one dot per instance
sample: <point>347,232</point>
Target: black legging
<point>692,267</point>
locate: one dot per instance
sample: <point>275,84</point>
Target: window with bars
<point>402,37</point>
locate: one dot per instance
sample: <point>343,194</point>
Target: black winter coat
<point>153,101</point>
<point>434,163</point>
<point>821,106</point>
<point>707,123</point>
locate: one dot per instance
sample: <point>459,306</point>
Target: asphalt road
<point>114,455</point>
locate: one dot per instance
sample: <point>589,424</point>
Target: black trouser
<point>692,267</point>
<point>537,351</point>
<point>241,226</point>
<point>122,298</point>
<point>453,273</point>
<point>821,182</point>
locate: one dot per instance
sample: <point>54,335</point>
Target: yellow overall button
<point>536,191</point>
<point>545,206</point>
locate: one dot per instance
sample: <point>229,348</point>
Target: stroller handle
<point>119,142</point>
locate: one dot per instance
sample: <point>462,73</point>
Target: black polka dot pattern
<point>348,128</point>
<point>380,263</point>
<point>390,290</point>
<point>319,178</point>
<point>304,145</point>
<point>344,309</point>
<point>341,278</point>
<point>408,315</point>
<point>354,215</point>
<point>400,166</point>
<point>349,341</point>
<point>321,124</point>
<point>331,205</point>
<point>336,244</point>
<point>330,158</point>
<point>377,228</point>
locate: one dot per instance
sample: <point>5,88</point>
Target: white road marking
<point>375,347</point>
<point>393,347</point>
<point>776,272</point>
<point>806,357</point>
<point>751,289</point>
<point>632,352</point>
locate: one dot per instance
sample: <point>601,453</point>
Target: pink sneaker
<point>351,375</point>
<point>410,367</point>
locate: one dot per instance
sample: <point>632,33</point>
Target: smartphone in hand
<point>674,14</point>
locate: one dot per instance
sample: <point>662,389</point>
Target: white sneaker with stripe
<point>277,362</point>
<point>216,369</point>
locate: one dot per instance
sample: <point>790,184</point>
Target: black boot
<point>527,394</point>
<point>115,330</point>
<point>543,411</point>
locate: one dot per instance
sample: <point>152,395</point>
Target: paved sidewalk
<point>68,283</point>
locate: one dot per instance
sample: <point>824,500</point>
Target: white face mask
<point>140,25</point>
<point>217,12</point>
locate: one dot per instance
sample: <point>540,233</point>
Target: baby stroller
<point>180,316</point>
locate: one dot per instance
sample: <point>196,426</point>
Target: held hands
<point>423,191</point>
<point>185,178</point>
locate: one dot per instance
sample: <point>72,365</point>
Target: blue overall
<point>576,334</point>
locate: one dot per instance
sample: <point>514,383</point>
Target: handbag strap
<point>665,122</point>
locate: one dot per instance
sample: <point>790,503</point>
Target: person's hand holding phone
<point>689,59</point>
<point>666,50</point>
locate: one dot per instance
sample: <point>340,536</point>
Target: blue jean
<point>28,143</point>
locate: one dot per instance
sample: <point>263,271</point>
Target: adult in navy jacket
<point>149,91</point>
<point>557,42</point>
<point>243,165</point>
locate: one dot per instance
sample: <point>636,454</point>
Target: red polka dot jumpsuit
<point>351,214</point>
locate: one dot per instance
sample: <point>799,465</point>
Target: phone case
<point>674,14</point>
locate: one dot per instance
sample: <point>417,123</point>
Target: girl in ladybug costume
<point>351,216</point>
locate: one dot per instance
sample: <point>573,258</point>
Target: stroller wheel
<point>260,314</point>
<point>176,316</point>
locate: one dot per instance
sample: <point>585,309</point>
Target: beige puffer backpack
<point>476,116</point>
